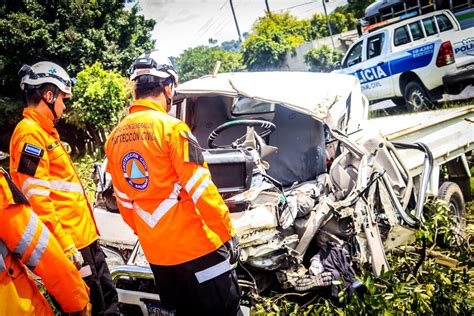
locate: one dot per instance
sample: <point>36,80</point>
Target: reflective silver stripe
<point>3,254</point>
<point>195,178</point>
<point>161,210</point>
<point>66,186</point>
<point>39,249</point>
<point>214,271</point>
<point>36,181</point>
<point>121,194</point>
<point>200,189</point>
<point>27,237</point>
<point>125,204</point>
<point>35,191</point>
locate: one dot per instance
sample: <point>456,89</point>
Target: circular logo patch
<point>135,170</point>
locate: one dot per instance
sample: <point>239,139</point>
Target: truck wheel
<point>399,101</point>
<point>110,201</point>
<point>416,97</point>
<point>452,194</point>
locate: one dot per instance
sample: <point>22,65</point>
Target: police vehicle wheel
<point>452,194</point>
<point>416,97</point>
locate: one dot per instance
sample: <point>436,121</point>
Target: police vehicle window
<point>416,31</point>
<point>430,26</point>
<point>355,56</point>
<point>401,36</point>
<point>374,45</point>
<point>443,23</point>
<point>242,106</point>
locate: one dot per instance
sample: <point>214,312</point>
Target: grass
<point>398,110</point>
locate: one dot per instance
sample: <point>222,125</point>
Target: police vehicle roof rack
<point>377,26</point>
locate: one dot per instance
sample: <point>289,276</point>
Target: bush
<point>322,59</point>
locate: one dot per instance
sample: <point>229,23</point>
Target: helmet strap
<point>51,104</point>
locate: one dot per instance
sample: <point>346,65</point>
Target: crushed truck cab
<point>304,183</point>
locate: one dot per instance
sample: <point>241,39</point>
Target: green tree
<point>199,61</point>
<point>339,22</point>
<point>72,33</point>
<point>270,39</point>
<point>322,59</point>
<point>100,97</point>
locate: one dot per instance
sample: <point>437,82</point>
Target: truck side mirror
<point>337,65</point>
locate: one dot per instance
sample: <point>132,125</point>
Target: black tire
<point>416,97</point>
<point>110,201</point>
<point>452,194</point>
<point>399,101</point>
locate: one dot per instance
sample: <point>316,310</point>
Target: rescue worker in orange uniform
<point>42,169</point>
<point>165,194</point>
<point>24,240</point>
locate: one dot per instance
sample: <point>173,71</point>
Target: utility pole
<point>235,20</point>
<point>329,25</point>
<point>268,8</point>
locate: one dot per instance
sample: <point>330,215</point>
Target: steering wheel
<point>267,128</point>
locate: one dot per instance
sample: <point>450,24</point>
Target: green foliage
<point>432,289</point>
<point>322,59</point>
<point>270,39</point>
<point>72,33</point>
<point>84,168</point>
<point>99,99</point>
<point>199,61</point>
<point>339,22</point>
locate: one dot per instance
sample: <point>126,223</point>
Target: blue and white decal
<point>412,59</point>
<point>464,47</point>
<point>135,170</point>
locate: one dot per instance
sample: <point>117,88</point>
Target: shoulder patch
<point>29,159</point>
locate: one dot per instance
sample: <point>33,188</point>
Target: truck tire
<point>416,97</point>
<point>452,194</point>
<point>399,101</point>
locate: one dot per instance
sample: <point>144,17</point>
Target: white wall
<point>294,60</point>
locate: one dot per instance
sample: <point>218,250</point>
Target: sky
<point>181,24</point>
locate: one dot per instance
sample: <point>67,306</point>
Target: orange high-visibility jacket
<point>163,187</point>
<point>42,169</point>
<point>24,240</point>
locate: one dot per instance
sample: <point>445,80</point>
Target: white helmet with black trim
<point>45,72</point>
<point>154,64</point>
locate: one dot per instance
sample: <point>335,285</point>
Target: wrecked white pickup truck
<point>309,203</point>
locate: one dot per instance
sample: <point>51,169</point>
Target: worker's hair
<point>33,98</point>
<point>148,86</point>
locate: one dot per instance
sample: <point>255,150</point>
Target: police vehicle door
<point>351,64</point>
<point>375,74</point>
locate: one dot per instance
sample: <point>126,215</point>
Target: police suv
<point>413,60</point>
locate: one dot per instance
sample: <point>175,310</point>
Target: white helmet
<point>45,72</point>
<point>153,63</point>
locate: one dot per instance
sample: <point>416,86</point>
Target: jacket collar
<point>143,105</point>
<point>40,119</point>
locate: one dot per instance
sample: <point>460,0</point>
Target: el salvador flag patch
<point>33,150</point>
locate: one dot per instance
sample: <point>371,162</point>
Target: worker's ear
<point>48,95</point>
<point>169,91</point>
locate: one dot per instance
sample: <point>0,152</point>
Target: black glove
<point>233,246</point>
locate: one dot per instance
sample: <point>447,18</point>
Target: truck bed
<point>448,133</point>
